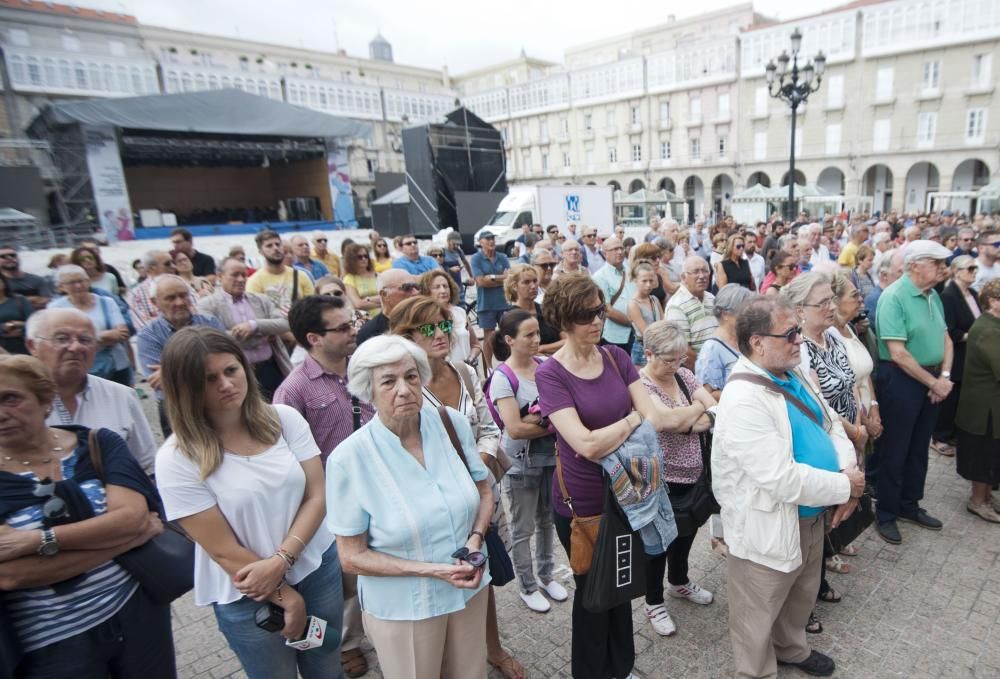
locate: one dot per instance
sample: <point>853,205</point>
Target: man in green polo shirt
<point>915,354</point>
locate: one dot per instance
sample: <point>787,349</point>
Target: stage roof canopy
<point>229,112</point>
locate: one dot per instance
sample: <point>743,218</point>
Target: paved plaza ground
<point>928,608</point>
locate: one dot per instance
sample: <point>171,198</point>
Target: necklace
<point>27,463</point>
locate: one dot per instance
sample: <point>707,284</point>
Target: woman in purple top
<point>595,400</point>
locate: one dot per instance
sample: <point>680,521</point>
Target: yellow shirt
<point>384,265</point>
<point>365,287</point>
<point>278,287</point>
<point>848,254</point>
<point>331,261</point>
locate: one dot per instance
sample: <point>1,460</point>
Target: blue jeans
<point>264,654</point>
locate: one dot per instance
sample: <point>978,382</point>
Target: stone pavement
<point>928,608</point>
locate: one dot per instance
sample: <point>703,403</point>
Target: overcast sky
<point>462,34</point>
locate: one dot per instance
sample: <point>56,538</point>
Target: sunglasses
<point>995,244</point>
<point>320,240</point>
<point>789,335</point>
<point>427,329</point>
<point>436,254</point>
<point>55,506</point>
<point>739,247</point>
<point>587,316</point>
<point>409,287</point>
<point>409,242</point>
<point>972,268</point>
<point>343,327</point>
<point>550,265</point>
<point>362,255</point>
<point>8,255</point>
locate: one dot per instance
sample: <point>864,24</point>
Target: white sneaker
<point>660,619</point>
<point>555,591</point>
<point>691,592</point>
<point>536,602</point>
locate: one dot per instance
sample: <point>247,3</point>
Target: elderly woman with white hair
<point>410,512</point>
<point>112,361</point>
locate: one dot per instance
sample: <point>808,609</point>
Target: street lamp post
<point>793,87</point>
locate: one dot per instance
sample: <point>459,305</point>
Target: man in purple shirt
<point>254,322</point>
<point>318,389</point>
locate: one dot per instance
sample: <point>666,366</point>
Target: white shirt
<point>110,405</point>
<point>461,342</point>
<point>819,255</point>
<point>758,269</point>
<point>986,273</point>
<point>259,496</point>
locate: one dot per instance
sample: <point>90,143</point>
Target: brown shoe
<point>984,512</point>
<point>354,663</point>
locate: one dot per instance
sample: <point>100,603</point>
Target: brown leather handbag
<point>583,530</point>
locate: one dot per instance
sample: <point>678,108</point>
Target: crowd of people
<point>346,438</point>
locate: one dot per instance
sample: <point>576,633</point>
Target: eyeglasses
<point>319,240</point>
<point>362,255</point>
<point>789,335</point>
<point>670,359</point>
<point>427,329</point>
<point>334,293</point>
<point>75,281</point>
<point>55,506</point>
<point>829,301</point>
<point>408,242</point>
<point>8,255</point>
<point>587,316</point>
<point>343,327</point>
<point>62,340</point>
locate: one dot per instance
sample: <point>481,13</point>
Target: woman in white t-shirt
<point>441,287</point>
<point>244,478</point>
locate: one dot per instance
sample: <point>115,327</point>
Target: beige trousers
<point>352,633</point>
<point>768,609</point>
<point>449,646</point>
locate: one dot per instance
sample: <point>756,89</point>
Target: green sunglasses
<point>427,329</point>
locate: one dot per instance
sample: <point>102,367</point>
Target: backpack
<point>514,383</point>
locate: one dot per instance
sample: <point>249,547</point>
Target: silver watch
<point>49,546</point>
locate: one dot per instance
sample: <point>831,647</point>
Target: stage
<point>158,232</point>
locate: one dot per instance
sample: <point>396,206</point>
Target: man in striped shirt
<point>691,307</point>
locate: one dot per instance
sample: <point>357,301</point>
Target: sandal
<point>830,596</point>
<point>814,626</point>
<point>837,565</point>
<point>941,448</point>
<point>511,668</point>
<point>850,550</point>
<point>354,663</point>
<point>719,547</point>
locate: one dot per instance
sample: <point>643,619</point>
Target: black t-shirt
<point>14,308</point>
<point>203,265</point>
<point>546,333</point>
<point>29,285</point>
<point>738,273</point>
<point>373,328</point>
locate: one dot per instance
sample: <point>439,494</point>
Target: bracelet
<point>298,539</point>
<point>286,556</point>
<point>278,590</point>
<point>476,532</point>
<point>873,403</point>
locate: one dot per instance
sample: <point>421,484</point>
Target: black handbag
<point>618,570</point>
<point>501,567</point>
<point>694,506</point>
<point>853,526</point>
<point>164,566</point>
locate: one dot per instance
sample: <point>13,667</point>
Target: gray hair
<point>163,278</point>
<point>755,318</point>
<point>377,352</point>
<point>880,237</point>
<point>885,264</point>
<point>150,258</point>
<point>70,270</point>
<point>664,243</point>
<point>730,298</point>
<point>787,239</point>
<point>798,289</point>
<point>664,337</point>
<point>957,264</point>
<point>38,322</point>
<point>814,228</point>
<point>858,228</point>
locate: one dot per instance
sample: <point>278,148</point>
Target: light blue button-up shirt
<point>414,512</point>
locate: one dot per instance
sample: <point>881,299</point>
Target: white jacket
<point>755,478</point>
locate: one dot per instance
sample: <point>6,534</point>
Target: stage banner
<point>107,178</point>
<point>339,175</point>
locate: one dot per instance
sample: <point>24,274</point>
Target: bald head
<point>394,286</point>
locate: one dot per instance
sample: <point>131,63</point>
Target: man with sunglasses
<point>490,270</point>
<point>989,253</point>
<point>394,286</point>
<point>254,322</point>
<point>545,266</point>
<point>913,378</point>
<point>321,252</point>
<point>780,457</point>
<point>592,257</point>
<point>411,260</point>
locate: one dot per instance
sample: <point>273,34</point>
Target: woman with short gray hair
<point>410,514</point>
<point>665,378</point>
<point>720,351</point>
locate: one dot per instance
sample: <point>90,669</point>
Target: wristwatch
<point>946,374</point>
<point>49,546</point>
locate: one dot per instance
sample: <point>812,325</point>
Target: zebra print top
<point>836,378</point>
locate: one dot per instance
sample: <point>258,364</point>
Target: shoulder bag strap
<point>614,297</point>
<point>614,363</point>
<point>356,412</point>
<point>466,379</point>
<point>562,484</point>
<point>295,285</point>
<point>723,345</point>
<point>95,453</point>
<point>104,311</point>
<point>449,427</point>
<point>771,386</point>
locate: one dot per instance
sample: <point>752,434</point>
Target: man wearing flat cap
<point>914,377</point>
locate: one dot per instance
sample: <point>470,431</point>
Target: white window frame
<point>926,129</point>
<point>722,104</point>
<point>975,125</point>
<point>636,153</point>
<point>612,155</point>
<point>761,102</point>
<point>833,138</point>
<point>881,134</point>
<point>694,148</point>
<point>760,145</point>
<point>664,110</point>
<point>665,149</point>
<point>931,76</point>
<point>723,146</point>
<point>884,84</point>
<point>982,71</point>
<point>834,85</point>
<point>636,115</point>
<point>694,108</point>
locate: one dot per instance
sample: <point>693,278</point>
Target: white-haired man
<point>65,340</point>
<point>818,253</point>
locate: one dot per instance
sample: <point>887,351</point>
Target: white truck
<point>561,205</point>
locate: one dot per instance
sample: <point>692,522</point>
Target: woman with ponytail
<point>531,447</point>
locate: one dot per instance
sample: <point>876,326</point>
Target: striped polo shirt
<point>42,616</point>
<point>694,316</point>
